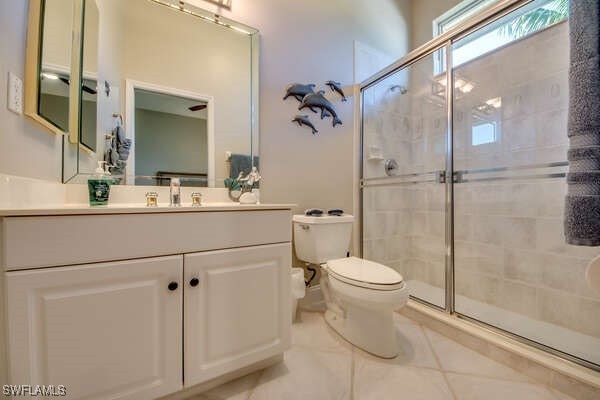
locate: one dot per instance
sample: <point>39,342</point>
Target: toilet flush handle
<point>304,226</point>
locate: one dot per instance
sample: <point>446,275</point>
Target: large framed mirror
<point>165,89</point>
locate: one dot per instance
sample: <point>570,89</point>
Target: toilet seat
<point>363,273</point>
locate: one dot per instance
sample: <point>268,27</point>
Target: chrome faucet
<point>175,192</point>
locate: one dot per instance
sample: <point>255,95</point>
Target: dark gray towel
<point>117,154</point>
<point>241,163</point>
<point>582,206</point>
<point>586,158</point>
<point>583,231</point>
<point>123,143</point>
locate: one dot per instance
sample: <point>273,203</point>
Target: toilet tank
<point>319,239</point>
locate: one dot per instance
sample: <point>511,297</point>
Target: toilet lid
<point>359,272</point>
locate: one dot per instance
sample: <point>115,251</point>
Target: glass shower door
<point>513,269</point>
<point>404,157</point>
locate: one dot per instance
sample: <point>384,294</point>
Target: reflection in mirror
<point>55,63</point>
<point>87,125</point>
<point>132,42</point>
<point>171,139</point>
<point>89,66</point>
<point>54,97</point>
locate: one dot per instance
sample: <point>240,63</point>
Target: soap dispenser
<point>99,185</point>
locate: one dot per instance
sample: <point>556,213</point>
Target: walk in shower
<point>464,145</point>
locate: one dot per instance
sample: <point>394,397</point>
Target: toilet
<point>361,296</point>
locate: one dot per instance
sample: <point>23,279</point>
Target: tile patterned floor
<point>322,366</point>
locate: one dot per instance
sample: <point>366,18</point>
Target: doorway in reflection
<point>171,139</point>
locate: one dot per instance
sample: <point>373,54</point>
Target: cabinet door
<point>239,311</point>
<point>104,331</point>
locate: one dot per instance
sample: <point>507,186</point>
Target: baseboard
<point>565,376</point>
<point>203,387</point>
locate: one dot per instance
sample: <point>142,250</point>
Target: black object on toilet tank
<point>335,212</point>
<point>313,212</point>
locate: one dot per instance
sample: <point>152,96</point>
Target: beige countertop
<point>135,208</point>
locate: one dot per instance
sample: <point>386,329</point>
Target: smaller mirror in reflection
<point>171,139</point>
<point>54,97</point>
<point>55,63</point>
<point>88,137</point>
<point>89,99</point>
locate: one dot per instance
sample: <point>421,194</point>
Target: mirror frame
<point>33,67</point>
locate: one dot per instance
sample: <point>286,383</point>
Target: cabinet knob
<point>173,286</point>
<point>194,282</point>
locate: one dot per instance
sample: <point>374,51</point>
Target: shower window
<point>526,20</point>
<point>458,14</point>
<point>483,133</point>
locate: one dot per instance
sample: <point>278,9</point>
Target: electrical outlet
<point>15,93</point>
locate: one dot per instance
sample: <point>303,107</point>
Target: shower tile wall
<point>509,246</point>
<point>404,229</point>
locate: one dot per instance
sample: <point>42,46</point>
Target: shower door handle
<point>457,176</point>
<point>440,176</point>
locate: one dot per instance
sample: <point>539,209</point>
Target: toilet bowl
<point>361,295</point>
<point>361,310</point>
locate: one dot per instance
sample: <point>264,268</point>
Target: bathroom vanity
<point>138,303</point>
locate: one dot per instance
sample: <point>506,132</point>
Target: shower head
<point>403,89</point>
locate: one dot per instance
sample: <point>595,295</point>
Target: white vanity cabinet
<point>232,309</point>
<point>105,331</point>
<point>144,319</point>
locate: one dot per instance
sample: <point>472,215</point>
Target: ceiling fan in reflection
<point>85,88</point>
<point>197,107</point>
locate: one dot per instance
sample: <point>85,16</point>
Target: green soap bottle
<point>99,186</point>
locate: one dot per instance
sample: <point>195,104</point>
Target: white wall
<point>26,149</point>
<point>169,142</point>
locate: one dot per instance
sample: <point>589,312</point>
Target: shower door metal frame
<point>449,276</point>
<point>443,176</point>
<point>444,42</point>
